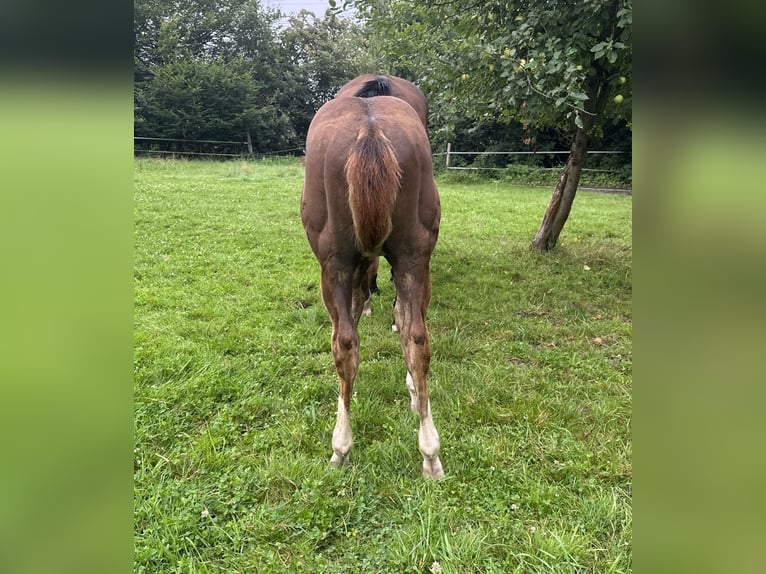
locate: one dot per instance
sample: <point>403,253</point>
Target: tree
<point>324,53</point>
<point>170,30</point>
<point>210,69</point>
<point>218,69</point>
<point>211,100</point>
<point>556,63</point>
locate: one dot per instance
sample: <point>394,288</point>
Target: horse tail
<point>373,175</point>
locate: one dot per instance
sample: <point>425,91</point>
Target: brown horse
<point>369,191</point>
<point>369,86</point>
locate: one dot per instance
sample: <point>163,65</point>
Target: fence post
<point>449,148</point>
<point>249,143</point>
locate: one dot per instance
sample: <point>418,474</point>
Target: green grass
<point>235,389</point>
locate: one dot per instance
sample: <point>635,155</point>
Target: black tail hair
<point>378,86</point>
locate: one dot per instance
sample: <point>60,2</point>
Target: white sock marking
<point>342,439</point>
<point>428,442</point>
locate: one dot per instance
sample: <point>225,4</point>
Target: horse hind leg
<point>416,351</point>
<point>336,292</point>
<point>345,350</point>
<point>413,294</point>
<point>371,277</point>
<point>367,310</point>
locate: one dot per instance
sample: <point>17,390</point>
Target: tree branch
<point>547,96</point>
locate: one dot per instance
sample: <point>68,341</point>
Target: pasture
<point>235,388</point>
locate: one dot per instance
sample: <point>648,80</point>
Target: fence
<point>449,153</point>
<point>215,148</point>
<point>233,149</point>
<point>541,161</point>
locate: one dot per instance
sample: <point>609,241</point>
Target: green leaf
<point>490,49</point>
<point>578,120</point>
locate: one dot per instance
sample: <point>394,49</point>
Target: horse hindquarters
<point>349,213</point>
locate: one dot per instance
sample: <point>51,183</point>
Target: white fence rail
<point>449,153</point>
<point>246,147</point>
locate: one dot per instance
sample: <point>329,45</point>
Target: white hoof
<point>339,460</point>
<point>433,469</point>
<point>367,307</point>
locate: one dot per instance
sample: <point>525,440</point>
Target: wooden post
<point>249,143</point>
<point>449,148</point>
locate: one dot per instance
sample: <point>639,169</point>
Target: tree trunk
<point>560,205</point>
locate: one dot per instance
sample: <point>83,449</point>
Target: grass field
<point>235,389</point>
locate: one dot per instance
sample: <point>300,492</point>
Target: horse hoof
<point>433,469</point>
<point>338,460</point>
<point>394,329</point>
